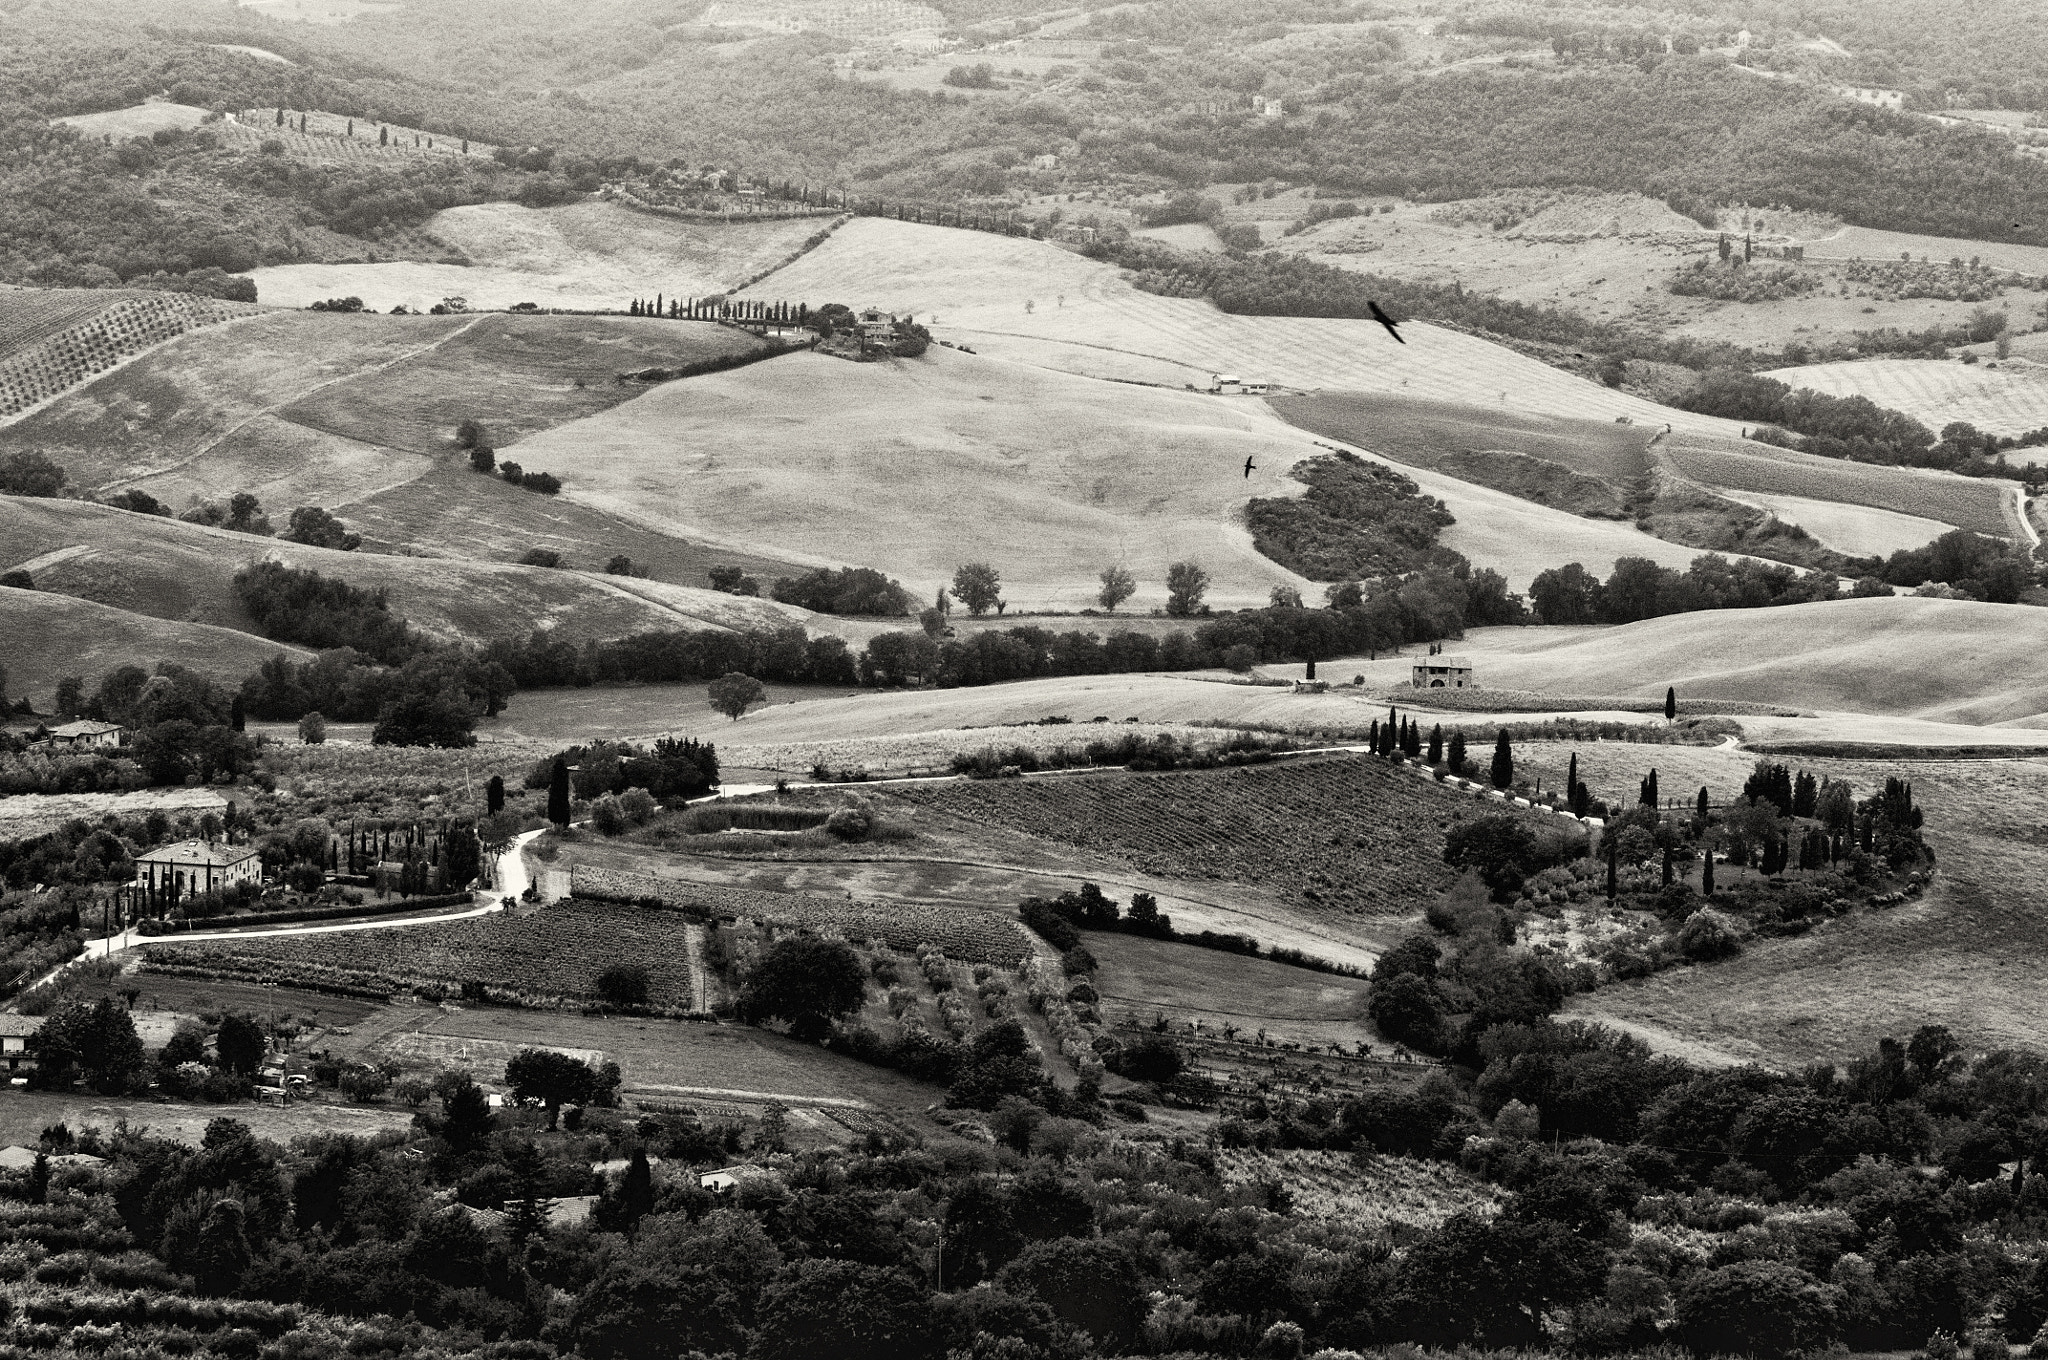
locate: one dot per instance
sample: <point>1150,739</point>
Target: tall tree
<point>1503,771</point>
<point>734,693</point>
<point>558,792</point>
<point>494,795</point>
<point>978,586</point>
<point>1455,757</point>
<point>1186,584</point>
<point>1670,703</point>
<point>554,1079</point>
<point>1118,585</point>
<point>1436,745</point>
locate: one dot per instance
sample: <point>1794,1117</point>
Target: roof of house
<point>85,727</point>
<point>1444,663</point>
<point>18,1026</point>
<point>198,853</point>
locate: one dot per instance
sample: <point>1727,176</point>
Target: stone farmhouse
<point>1443,672</point>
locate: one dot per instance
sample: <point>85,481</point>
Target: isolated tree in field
<point>541,557</point>
<point>483,458</point>
<point>1670,703</point>
<point>316,528</point>
<point>494,795</point>
<point>621,565</point>
<point>978,586</point>
<point>1118,585</point>
<point>1455,757</point>
<point>240,1044</point>
<point>313,729</point>
<point>1284,597</point>
<point>469,434</point>
<point>734,693</point>
<point>558,792</point>
<point>1186,583</point>
<point>1503,772</point>
<point>554,1079</point>
<point>806,981</point>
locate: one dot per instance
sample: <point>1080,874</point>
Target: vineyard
<point>1964,502</point>
<point>933,750</point>
<point>545,960</point>
<point>53,341</point>
<point>972,936</point>
<point>1345,834</point>
<point>1370,1190</point>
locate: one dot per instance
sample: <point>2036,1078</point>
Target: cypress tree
<point>1436,745</point>
<point>1703,805</point>
<point>1456,754</point>
<point>280,117</point>
<point>383,136</point>
<point>1613,869</point>
<point>1503,761</point>
<point>1571,782</point>
<point>494,794</point>
<point>351,127</point>
<point>1651,785</point>
<point>1667,866</point>
<point>1706,871</point>
<point>1670,703</point>
<point>1373,738</point>
<point>558,793</point>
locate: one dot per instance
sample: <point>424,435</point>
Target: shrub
<point>1708,935</point>
<point>623,986</point>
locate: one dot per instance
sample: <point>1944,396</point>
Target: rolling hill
<point>586,256</point>
<point>51,636</point>
<point>174,571</point>
<point>357,413</point>
<point>916,466</point>
<point>1043,304</point>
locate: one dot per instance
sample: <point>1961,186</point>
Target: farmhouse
<point>197,867</point>
<point>86,732</point>
<point>1443,672</point>
<point>15,1031</point>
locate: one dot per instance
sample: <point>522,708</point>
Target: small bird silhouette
<point>1384,319</point>
<point>1248,466</point>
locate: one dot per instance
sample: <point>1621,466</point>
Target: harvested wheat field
<point>916,466</point>
<point>1927,658</point>
<point>50,637</point>
<point>1082,315</point>
<point>2008,398</point>
<point>584,257</point>
<point>1858,530</point>
<point>172,570</point>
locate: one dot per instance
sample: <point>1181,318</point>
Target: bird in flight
<point>1384,319</point>
<point>1248,466</point>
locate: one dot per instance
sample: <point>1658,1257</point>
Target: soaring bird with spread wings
<point>1384,320</point>
<point>1248,466</point>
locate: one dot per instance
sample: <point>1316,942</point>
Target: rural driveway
<point>510,874</point>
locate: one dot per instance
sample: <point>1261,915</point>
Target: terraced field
<point>328,141</point>
<point>1978,504</point>
<point>516,374</point>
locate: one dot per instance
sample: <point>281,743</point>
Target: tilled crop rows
<point>66,347</point>
<point>548,959</point>
<point>976,937</point>
<point>1345,833</point>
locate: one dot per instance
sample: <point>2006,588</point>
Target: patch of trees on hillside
<point>1357,519</point>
